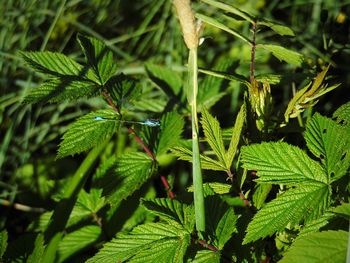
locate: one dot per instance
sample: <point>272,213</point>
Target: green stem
<point>59,219</point>
<point>196,167</point>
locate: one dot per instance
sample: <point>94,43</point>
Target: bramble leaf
<point>281,163</point>
<point>283,54</point>
<point>236,135</point>
<point>78,240</point>
<point>172,211</point>
<point>329,141</point>
<point>326,246</point>
<point>171,127</point>
<point>207,163</point>
<point>206,256</point>
<point>213,136</point>
<point>342,114</point>
<point>99,57</point>
<point>278,28</point>
<point>87,132</point>
<point>168,80</point>
<point>3,242</point>
<point>54,64</point>
<point>61,89</point>
<point>38,252</point>
<point>153,242</point>
<point>123,90</point>
<point>343,209</point>
<point>315,225</point>
<point>132,171</point>
<point>308,201</point>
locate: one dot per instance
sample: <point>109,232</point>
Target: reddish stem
<point>167,187</point>
<point>204,243</point>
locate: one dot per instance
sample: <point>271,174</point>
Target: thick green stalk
<point>196,168</point>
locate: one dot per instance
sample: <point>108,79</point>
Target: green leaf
<point>92,201</point>
<point>207,163</point>
<point>213,136</point>
<point>38,252</point>
<point>171,211</point>
<point>220,220</point>
<point>216,23</point>
<point>329,141</point>
<point>283,54</point>
<point>132,171</point>
<point>206,256</point>
<point>260,194</point>
<point>315,225</point>
<point>87,132</point>
<point>171,127</point>
<point>270,78</point>
<point>54,64</point>
<point>123,90</point>
<point>231,9</point>
<point>278,28</point>
<point>3,242</point>
<point>343,209</point>
<point>99,57</point>
<point>78,240</point>
<point>281,163</point>
<point>61,89</point>
<point>168,80</point>
<point>218,188</point>
<point>308,201</point>
<point>153,242</point>
<point>327,246</point>
<point>236,135</point>
<point>342,114</point>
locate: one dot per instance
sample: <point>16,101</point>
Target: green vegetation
<point>174,131</point>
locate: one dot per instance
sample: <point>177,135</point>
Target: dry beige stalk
<point>188,22</point>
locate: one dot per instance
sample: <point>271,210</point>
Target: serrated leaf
<point>220,220</point>
<point>99,57</point>
<point>213,135</point>
<point>171,127</point>
<point>226,226</point>
<point>216,23</point>
<point>38,252</point>
<point>278,28</point>
<point>260,194</point>
<point>132,171</point>
<point>315,225</point>
<point>78,240</point>
<point>123,90</point>
<point>343,209</point>
<point>327,246</point>
<point>87,132</point>
<point>231,9</point>
<point>236,134</point>
<point>281,163</point>
<point>171,211</point>
<point>283,54</point>
<point>218,188</point>
<point>270,78</point>
<point>92,201</point>
<point>342,114</point>
<point>3,242</point>
<point>168,80</point>
<point>153,242</point>
<point>61,89</point>
<point>308,201</point>
<point>329,141</point>
<point>206,256</point>
<point>54,64</point>
<point>207,163</point>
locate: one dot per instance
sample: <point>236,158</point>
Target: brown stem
<point>204,243</point>
<point>252,54</point>
<point>167,187</point>
<point>245,200</point>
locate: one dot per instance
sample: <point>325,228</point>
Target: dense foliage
<point>141,132</point>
